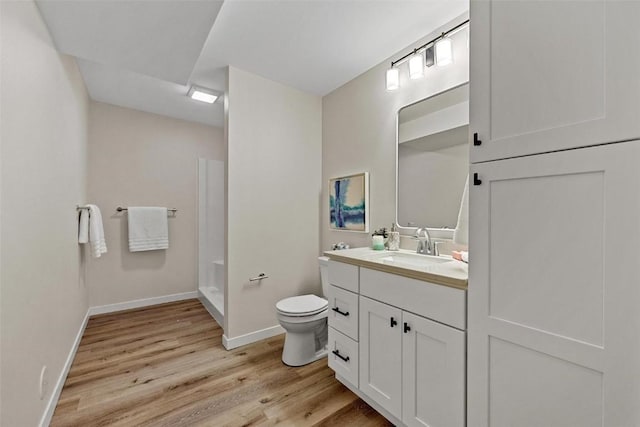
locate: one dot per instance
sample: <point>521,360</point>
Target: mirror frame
<point>438,233</point>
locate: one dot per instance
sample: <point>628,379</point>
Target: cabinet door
<point>433,376</point>
<point>381,354</point>
<point>554,289</point>
<point>550,75</point>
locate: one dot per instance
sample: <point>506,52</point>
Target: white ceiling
<point>143,54</point>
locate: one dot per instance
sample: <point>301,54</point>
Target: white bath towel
<point>148,228</point>
<point>83,227</point>
<point>461,233</point>
<point>96,232</point>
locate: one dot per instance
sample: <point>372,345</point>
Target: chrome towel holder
<point>120,209</point>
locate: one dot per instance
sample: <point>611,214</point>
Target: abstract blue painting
<point>348,199</point>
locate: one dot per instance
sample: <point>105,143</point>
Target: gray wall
<point>273,208</point>
<point>43,104</point>
<point>359,131</point>
<point>142,159</point>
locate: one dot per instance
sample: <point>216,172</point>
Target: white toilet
<point>305,319</point>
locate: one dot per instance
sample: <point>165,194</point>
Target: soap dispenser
<point>393,242</point>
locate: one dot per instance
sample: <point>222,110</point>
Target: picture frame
<point>349,203</point>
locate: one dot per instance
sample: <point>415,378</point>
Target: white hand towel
<point>83,228</point>
<point>148,228</point>
<point>461,233</point>
<point>96,232</point>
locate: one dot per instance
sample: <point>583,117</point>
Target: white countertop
<point>442,270</point>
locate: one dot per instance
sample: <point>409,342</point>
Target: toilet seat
<point>303,305</point>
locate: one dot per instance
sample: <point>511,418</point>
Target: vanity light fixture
<point>202,94</point>
<point>444,51</point>
<point>430,56</point>
<point>438,50</point>
<point>416,65</point>
<point>393,79</point>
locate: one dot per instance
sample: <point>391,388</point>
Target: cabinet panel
<point>381,354</point>
<point>344,276</point>
<point>343,356</point>
<point>520,379</point>
<point>538,289</point>
<point>544,80</point>
<point>343,311</point>
<point>553,287</point>
<point>437,302</point>
<point>433,374</point>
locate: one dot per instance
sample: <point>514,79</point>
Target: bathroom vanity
<point>397,339</point>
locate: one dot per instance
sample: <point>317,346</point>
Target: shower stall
<point>211,269</point>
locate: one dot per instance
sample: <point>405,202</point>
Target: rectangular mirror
<point>433,160</point>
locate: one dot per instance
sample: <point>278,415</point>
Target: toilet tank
<point>324,274</point>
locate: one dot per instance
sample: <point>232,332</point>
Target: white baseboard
<point>55,395</point>
<point>231,343</point>
<point>127,305</point>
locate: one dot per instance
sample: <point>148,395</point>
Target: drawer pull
<point>337,310</point>
<point>337,353</point>
<point>393,322</point>
<point>407,328</point>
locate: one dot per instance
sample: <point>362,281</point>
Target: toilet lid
<point>303,305</point>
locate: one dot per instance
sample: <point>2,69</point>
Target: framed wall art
<point>349,203</point>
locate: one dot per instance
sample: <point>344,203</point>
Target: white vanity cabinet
<point>433,373</point>
<point>552,75</point>
<point>343,320</point>
<point>381,354</point>
<point>554,289</point>
<point>412,366</point>
<point>410,345</point>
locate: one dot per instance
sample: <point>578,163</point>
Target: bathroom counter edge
<point>425,276</point>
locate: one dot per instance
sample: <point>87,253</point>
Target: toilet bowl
<point>304,318</point>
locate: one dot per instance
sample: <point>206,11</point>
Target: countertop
<point>451,273</point>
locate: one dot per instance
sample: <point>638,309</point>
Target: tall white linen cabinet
<point>554,278</point>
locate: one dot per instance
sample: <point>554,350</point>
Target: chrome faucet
<point>425,245</point>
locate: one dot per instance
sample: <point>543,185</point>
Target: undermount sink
<point>409,260</point>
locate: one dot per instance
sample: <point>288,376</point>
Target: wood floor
<point>165,366</point>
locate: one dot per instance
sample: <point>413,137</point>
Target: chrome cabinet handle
<point>260,277</point>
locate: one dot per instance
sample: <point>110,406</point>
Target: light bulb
<point>416,66</point>
<point>444,52</point>
<point>393,79</point>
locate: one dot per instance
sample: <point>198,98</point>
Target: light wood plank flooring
<point>165,366</point>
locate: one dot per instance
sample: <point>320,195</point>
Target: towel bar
<point>120,209</point>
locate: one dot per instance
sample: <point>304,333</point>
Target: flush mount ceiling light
<point>441,48</point>
<point>202,94</point>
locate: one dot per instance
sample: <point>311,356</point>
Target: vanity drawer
<point>441,303</point>
<point>343,311</point>
<point>344,276</point>
<point>343,356</point>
